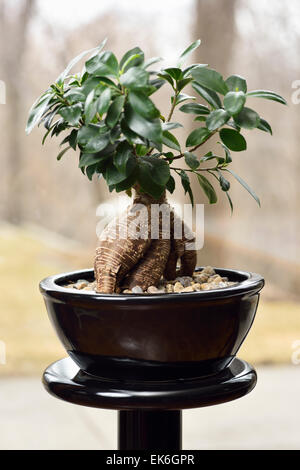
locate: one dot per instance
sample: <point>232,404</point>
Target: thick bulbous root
<point>123,260</point>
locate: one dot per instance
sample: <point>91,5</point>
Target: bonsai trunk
<point>142,245</point>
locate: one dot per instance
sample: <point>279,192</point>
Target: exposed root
<point>123,258</point>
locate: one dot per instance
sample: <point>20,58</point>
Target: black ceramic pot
<point>155,337</point>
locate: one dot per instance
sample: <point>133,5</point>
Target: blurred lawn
<point>27,256</point>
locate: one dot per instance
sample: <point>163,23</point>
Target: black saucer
<point>66,381</point>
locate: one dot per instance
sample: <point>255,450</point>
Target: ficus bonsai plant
<point>107,115</point>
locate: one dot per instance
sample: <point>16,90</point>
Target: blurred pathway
<point>268,418</point>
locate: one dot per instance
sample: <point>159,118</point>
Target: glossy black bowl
<point>155,337</point>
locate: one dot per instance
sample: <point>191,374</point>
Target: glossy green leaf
<point>209,95</point>
<point>90,107</point>
<point>142,104</point>
<point>181,98</point>
<point>149,129</point>
<point>167,77</point>
<point>197,137</point>
<point>183,83</point>
<point>217,119</point>
<point>93,138</point>
<point>170,141</point>
<point>175,73</point>
<point>264,126</point>
<point>170,186</point>
<point>152,61</point>
<point>71,114</point>
<point>103,102</point>
<point>245,185</point>
<point>234,102</point>
<point>132,58</point>
<point>247,119</point>
<point>210,79</point>
<point>224,183</point>
<point>233,140</point>
<point>268,95</point>
<point>74,61</point>
<point>236,83</point>
<point>135,77</point>
<point>124,160</point>
<point>194,108</point>
<point>167,126</point>
<point>185,181</point>
<point>37,110</point>
<point>207,188</point>
<point>191,160</point>
<point>104,64</point>
<point>183,57</point>
<point>61,154</point>
<point>114,111</point>
<point>153,175</point>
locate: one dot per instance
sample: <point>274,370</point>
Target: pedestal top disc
<point>63,379</point>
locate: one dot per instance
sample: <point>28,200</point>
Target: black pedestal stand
<point>149,411</point>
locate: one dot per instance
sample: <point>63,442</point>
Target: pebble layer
<point>207,279</point>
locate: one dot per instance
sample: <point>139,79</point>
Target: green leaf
<point>187,52</point>
<point>209,78</point>
<point>149,129</point>
<point>228,158</point>
<point>61,154</point>
<point>264,126</point>
<point>37,110</point>
<point>200,118</point>
<point>194,108</point>
<point>245,185</point>
<point>104,64</point>
<point>182,97</point>
<point>142,104</point>
<point>268,95</point>
<point>217,119</point>
<point>207,188</point>
<point>167,126</point>
<point>233,140</point>
<point>131,136</point>
<point>234,102</point>
<point>191,160</point>
<point>112,175</point>
<point>197,137</point>
<point>93,138</point>
<point>230,202</point>
<point>170,141</point>
<point>175,73</point>
<point>167,77</point>
<point>151,61</point>
<point>183,83</point>
<point>153,175</point>
<point>210,96</point>
<point>185,181</point>
<point>74,61</point>
<point>87,159</point>
<point>170,186</point>
<point>247,118</point>
<point>114,111</point>
<point>103,101</point>
<point>236,83</point>
<point>124,159</point>
<point>71,114</point>
<point>224,183</point>
<point>135,77</point>
<point>132,58</point>
<point>73,139</point>
<point>90,107</point>
<point>141,150</point>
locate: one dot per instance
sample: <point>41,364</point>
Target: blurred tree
<point>14,28</point>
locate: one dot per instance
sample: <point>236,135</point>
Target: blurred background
<point>48,208</point>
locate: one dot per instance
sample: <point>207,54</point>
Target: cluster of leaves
<point>109,116</point>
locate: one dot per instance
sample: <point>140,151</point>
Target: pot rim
<point>51,287</point>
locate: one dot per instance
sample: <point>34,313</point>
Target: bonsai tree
<point>108,115</point>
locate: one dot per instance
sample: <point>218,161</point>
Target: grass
<point>27,256</point>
